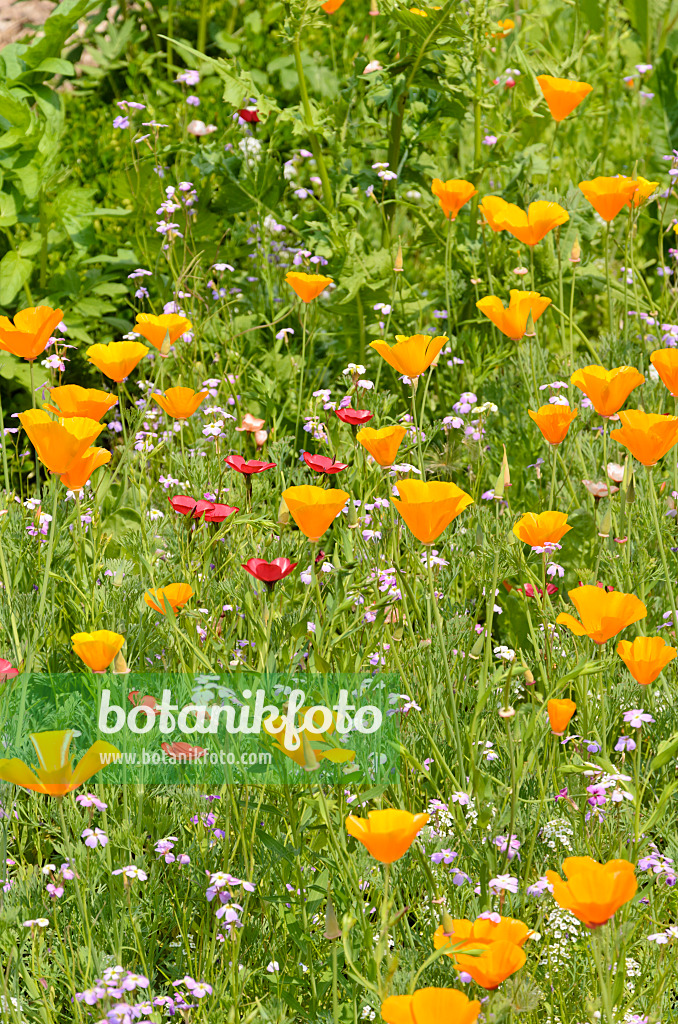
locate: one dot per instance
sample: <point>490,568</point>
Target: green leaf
<point>13,368</point>
<point>8,213</point>
<point>666,751</point>
<point>57,29</point>
<point>593,14</point>
<point>668,94</point>
<point>14,272</point>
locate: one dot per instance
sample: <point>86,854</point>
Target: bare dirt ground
<point>18,18</point>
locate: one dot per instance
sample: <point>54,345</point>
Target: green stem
<point>308,117</point>
<point>662,550</point>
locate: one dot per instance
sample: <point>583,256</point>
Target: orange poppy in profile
<point>72,400</point>
<point>429,507</point>
<point>117,359</point>
<point>553,421</point>
<point>431,1006</point>
<point>608,196</point>
<point>487,929</point>
<point>594,892</point>
<point>497,961</point>
<point>314,508</point>
<point>59,444</point>
<point>330,6</point>
<point>82,468</point>
<point>603,613</point>
<point>180,403</point>
<point>607,389</point>
<point>512,320</point>
<point>493,209</point>
<point>177,594</point>
<point>646,435</point>
<point>382,444</point>
<point>562,95</point>
<point>27,337</point>
<point>411,355</point>
<point>388,834</point>
<point>453,194</point>
<point>307,286</point>
<point>97,649</point>
<point>644,190</point>
<point>560,712</point>
<point>665,362</point>
<point>540,528</point>
<point>162,330</point>
<point>646,657</point>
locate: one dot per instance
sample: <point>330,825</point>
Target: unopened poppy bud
<point>529,678</point>
<point>529,329</point>
<point>283,513</point>
<point>332,929</point>
<point>628,488</point>
<point>311,763</point>
<point>166,345</point>
<point>374,10</point>
<point>477,648</point>
<point>352,516</point>
<point>120,665</point>
<point>575,252</point>
<point>398,266</point>
<point>606,525</point>
<point>447,923</point>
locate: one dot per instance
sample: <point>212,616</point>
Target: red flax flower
<point>647,436</point>
<point>182,751</point>
<point>269,573</point>
<point>356,417</point>
<point>603,613</point>
<point>323,464</point>
<point>594,892</point>
<point>248,466</point>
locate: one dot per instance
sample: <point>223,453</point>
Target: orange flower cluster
<point>499,944</point>
<point>527,226</point>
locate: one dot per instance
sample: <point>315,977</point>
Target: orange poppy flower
<point>387,835</point>
<point>560,712</point>
<point>493,209</point>
<point>307,286</point>
<point>644,191</point>
<point>275,727</point>
<point>314,508</point>
<point>647,436</point>
<point>81,470</point>
<point>117,359</point>
<point>537,529</point>
<point>603,613</point>
<point>665,362</point>
<point>553,421</point>
<point>495,964</point>
<point>506,25</point>
<point>512,320</point>
<point>412,355</point>
<point>531,226</point>
<point>177,594</point>
<point>431,1006</point>
<point>158,330</point>
<point>331,6</point>
<point>97,649</point>
<point>607,196</point>
<point>645,657</point>
<point>59,445</point>
<point>382,444</point>
<point>428,508</point>
<point>607,389</point>
<point>180,403</point>
<point>594,892</point>
<point>562,95</point>
<point>484,928</point>
<point>55,774</point>
<point>30,332</point>
<point>453,194</point>
<point>72,400</point>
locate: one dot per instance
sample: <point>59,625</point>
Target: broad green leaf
<point>8,214</point>
<point>14,272</point>
<point>666,751</point>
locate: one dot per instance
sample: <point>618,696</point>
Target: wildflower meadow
<point>338,513</point>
